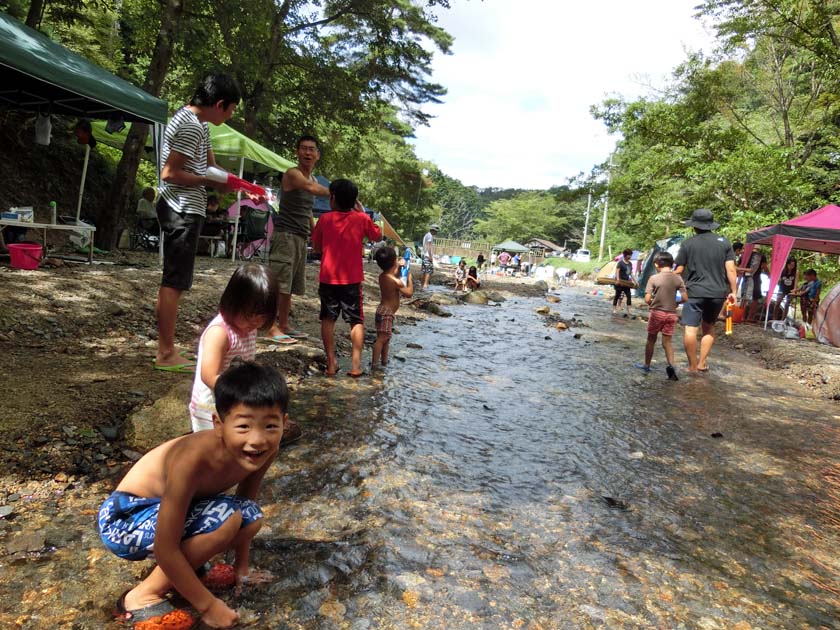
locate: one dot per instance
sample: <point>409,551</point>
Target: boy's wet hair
<point>251,384</point>
<point>215,87</point>
<point>664,259</point>
<point>385,257</point>
<point>810,272</point>
<point>737,245</point>
<point>212,200</point>
<point>345,193</point>
<point>252,290</point>
<point>307,138</point>
<point>627,252</point>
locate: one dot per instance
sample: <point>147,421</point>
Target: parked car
<point>582,255</point>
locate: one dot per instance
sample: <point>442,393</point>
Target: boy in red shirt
<point>339,235</point>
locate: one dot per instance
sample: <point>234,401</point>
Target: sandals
<point>282,340</point>
<point>159,615</point>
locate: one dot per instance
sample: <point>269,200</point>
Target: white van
<point>582,255</point>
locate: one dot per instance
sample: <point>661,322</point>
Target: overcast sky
<point>524,73</point>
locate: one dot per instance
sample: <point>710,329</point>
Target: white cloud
<point>524,74</point>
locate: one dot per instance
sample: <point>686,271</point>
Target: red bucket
<point>25,255</point>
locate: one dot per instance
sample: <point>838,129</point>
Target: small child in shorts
<point>391,287</point>
<point>339,236</point>
<point>661,296</point>
<point>171,503</point>
<point>461,276</point>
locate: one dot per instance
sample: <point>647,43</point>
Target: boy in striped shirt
<point>185,154</point>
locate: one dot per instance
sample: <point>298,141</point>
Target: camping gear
<point>670,245</point>
<point>816,231</point>
<point>25,255</point>
<point>826,324</point>
<point>606,275</point>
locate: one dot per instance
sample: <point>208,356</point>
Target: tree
<point>122,190</point>
<point>527,215</point>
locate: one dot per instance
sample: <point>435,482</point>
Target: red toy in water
<point>219,578</point>
<point>233,182</point>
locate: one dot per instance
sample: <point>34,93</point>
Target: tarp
<point>827,318</point>
<point>229,147</point>
<point>816,231</point>
<point>38,74</point>
<point>510,247</point>
<point>670,245</point>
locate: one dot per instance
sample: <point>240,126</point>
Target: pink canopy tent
<point>817,231</point>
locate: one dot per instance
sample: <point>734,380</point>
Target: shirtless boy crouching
<point>391,287</point>
<point>170,503</point>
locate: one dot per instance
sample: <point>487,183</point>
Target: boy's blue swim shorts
<point>127,523</point>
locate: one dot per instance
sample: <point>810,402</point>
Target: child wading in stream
<point>339,235</point>
<point>391,287</point>
<point>171,502</point>
<point>661,295</point>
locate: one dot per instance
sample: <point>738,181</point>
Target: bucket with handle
<point>25,255</point>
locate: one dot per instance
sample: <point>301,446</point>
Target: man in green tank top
<point>293,224</point>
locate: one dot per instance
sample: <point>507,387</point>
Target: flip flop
<point>146,613</point>
<point>281,340</point>
<point>189,355</point>
<point>180,368</point>
<point>297,334</point>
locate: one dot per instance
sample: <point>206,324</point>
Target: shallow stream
<point>510,475</point>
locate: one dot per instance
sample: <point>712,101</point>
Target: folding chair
<point>145,235</point>
<point>253,240</point>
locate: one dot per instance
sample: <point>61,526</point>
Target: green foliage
<point>526,215</point>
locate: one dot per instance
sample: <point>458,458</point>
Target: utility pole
<point>586,221</point>
<point>606,207</point>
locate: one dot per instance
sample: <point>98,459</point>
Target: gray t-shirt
<point>663,287</point>
<point>294,213</point>
<point>704,257</point>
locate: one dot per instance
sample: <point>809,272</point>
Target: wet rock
<point>636,455</point>
<point>547,337</point>
<point>13,497</point>
<point>615,504</point>
<point>26,541</point>
<point>6,510</point>
<point>162,421</point>
<point>60,477</point>
<point>578,335</point>
<point>476,297</point>
<point>542,310</point>
<point>114,310</point>
<point>541,285</point>
<point>444,298</point>
<point>717,434</point>
<point>416,346</point>
<point>561,326</point>
<point>132,455</point>
<point>552,298</point>
<point>109,433</point>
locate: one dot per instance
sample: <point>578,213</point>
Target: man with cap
<point>428,252</point>
<point>707,264</point>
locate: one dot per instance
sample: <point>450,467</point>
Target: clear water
<point>496,478</point>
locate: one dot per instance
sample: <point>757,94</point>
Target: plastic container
<point>25,255</point>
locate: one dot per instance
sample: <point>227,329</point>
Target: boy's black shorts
<point>342,298</point>
<point>180,243</point>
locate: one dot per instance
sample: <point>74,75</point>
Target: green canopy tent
<point>40,75</point>
<point>510,246</point>
<point>233,151</point>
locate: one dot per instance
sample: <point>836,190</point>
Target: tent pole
<point>157,136</point>
<point>82,184</point>
<point>238,211</point>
